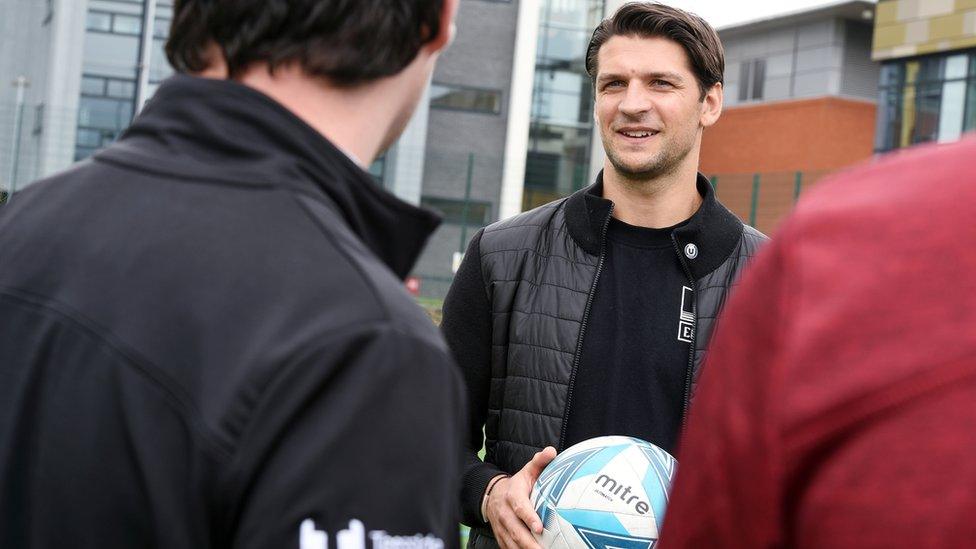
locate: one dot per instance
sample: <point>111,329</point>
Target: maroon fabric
<point>838,405</point>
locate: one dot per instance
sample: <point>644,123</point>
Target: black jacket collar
<point>714,230</point>
<point>225,132</point>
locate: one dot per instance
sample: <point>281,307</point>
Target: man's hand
<point>509,510</point>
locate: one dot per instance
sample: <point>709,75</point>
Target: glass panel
<point>456,211</point>
<point>99,21</point>
<point>572,13</point>
<point>953,107</point>
<point>121,89</point>
<point>927,105</point>
<point>564,44</point>
<point>109,114</point>
<point>562,81</point>
<point>892,74</point>
<point>159,68</point>
<point>468,99</point>
<point>889,120</point>
<point>558,158</point>
<point>970,107</point>
<point>127,24</point>
<point>89,138</point>
<point>161,28</point>
<point>377,168</point>
<point>91,85</point>
<point>758,78</point>
<point>956,66</point>
<point>558,108</point>
<point>931,69</point>
<point>744,81</point>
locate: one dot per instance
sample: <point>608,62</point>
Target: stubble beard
<point>665,162</point>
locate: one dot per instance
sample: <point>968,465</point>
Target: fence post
<point>797,186</point>
<point>466,207</point>
<point>755,200</point>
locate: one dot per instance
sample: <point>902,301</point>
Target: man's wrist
<point>484,501</point>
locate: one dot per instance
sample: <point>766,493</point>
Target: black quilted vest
<point>541,269</point>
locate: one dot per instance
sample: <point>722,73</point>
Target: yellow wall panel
<point>887,13</point>
<point>889,36</point>
<point>947,26</point>
<point>931,34</point>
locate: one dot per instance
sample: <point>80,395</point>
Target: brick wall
<point>804,135</point>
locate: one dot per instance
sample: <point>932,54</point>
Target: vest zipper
<point>586,317</point>
<point>694,336</point>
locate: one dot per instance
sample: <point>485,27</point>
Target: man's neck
<point>353,119</point>
<point>661,202</point>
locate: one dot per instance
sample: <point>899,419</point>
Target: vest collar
<point>705,242</point>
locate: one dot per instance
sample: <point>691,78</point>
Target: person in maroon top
<point>839,405</point>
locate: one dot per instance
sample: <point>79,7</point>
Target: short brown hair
<point>646,19</point>
<point>349,42</point>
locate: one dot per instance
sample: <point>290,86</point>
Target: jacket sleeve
<point>358,440</point>
<point>726,490</point>
<point>466,326</point>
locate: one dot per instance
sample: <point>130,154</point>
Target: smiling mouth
<point>637,134</point>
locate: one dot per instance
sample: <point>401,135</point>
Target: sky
<point>721,13</point>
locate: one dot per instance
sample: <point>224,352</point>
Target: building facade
<point>800,92</point>
<point>927,89</point>
<point>506,123</point>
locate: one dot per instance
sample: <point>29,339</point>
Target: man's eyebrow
<point>666,75</point>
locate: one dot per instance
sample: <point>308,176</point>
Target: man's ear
<point>712,105</point>
<point>447,28</point>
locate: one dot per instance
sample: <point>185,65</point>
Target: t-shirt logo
<point>686,317</point>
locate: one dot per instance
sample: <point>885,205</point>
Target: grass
<point>432,307</point>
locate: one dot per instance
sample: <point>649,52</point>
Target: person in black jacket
<point>205,339</point>
<point>589,316</point>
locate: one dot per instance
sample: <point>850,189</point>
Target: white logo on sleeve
<point>310,538</point>
<point>354,537</point>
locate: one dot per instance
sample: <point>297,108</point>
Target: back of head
<point>333,39</point>
<point>645,19</point>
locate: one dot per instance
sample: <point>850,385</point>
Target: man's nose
<point>636,101</point>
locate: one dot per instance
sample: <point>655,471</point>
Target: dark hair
<point>644,19</point>
<point>349,42</point>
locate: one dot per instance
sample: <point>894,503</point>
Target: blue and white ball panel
<point>604,493</point>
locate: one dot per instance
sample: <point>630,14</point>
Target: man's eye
<point>661,83</point>
<point>614,84</point>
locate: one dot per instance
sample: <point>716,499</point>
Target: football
<point>606,492</point>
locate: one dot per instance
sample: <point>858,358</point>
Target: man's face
<point>648,106</point>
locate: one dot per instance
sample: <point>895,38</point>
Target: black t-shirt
<point>634,361</point>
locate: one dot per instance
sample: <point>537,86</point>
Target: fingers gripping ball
<point>606,492</point>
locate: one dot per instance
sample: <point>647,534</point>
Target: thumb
<point>539,461</point>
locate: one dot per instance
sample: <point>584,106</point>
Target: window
<point>926,99</point>
<point>752,79</point>
<point>126,24</point>
<point>161,28</point>
<point>459,212</point>
<point>121,89</point>
<point>446,96</point>
<point>99,21</point>
<point>92,86</point>
<point>104,111</point>
<point>114,23</point>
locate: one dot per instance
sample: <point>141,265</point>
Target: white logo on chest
<point>686,317</point>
